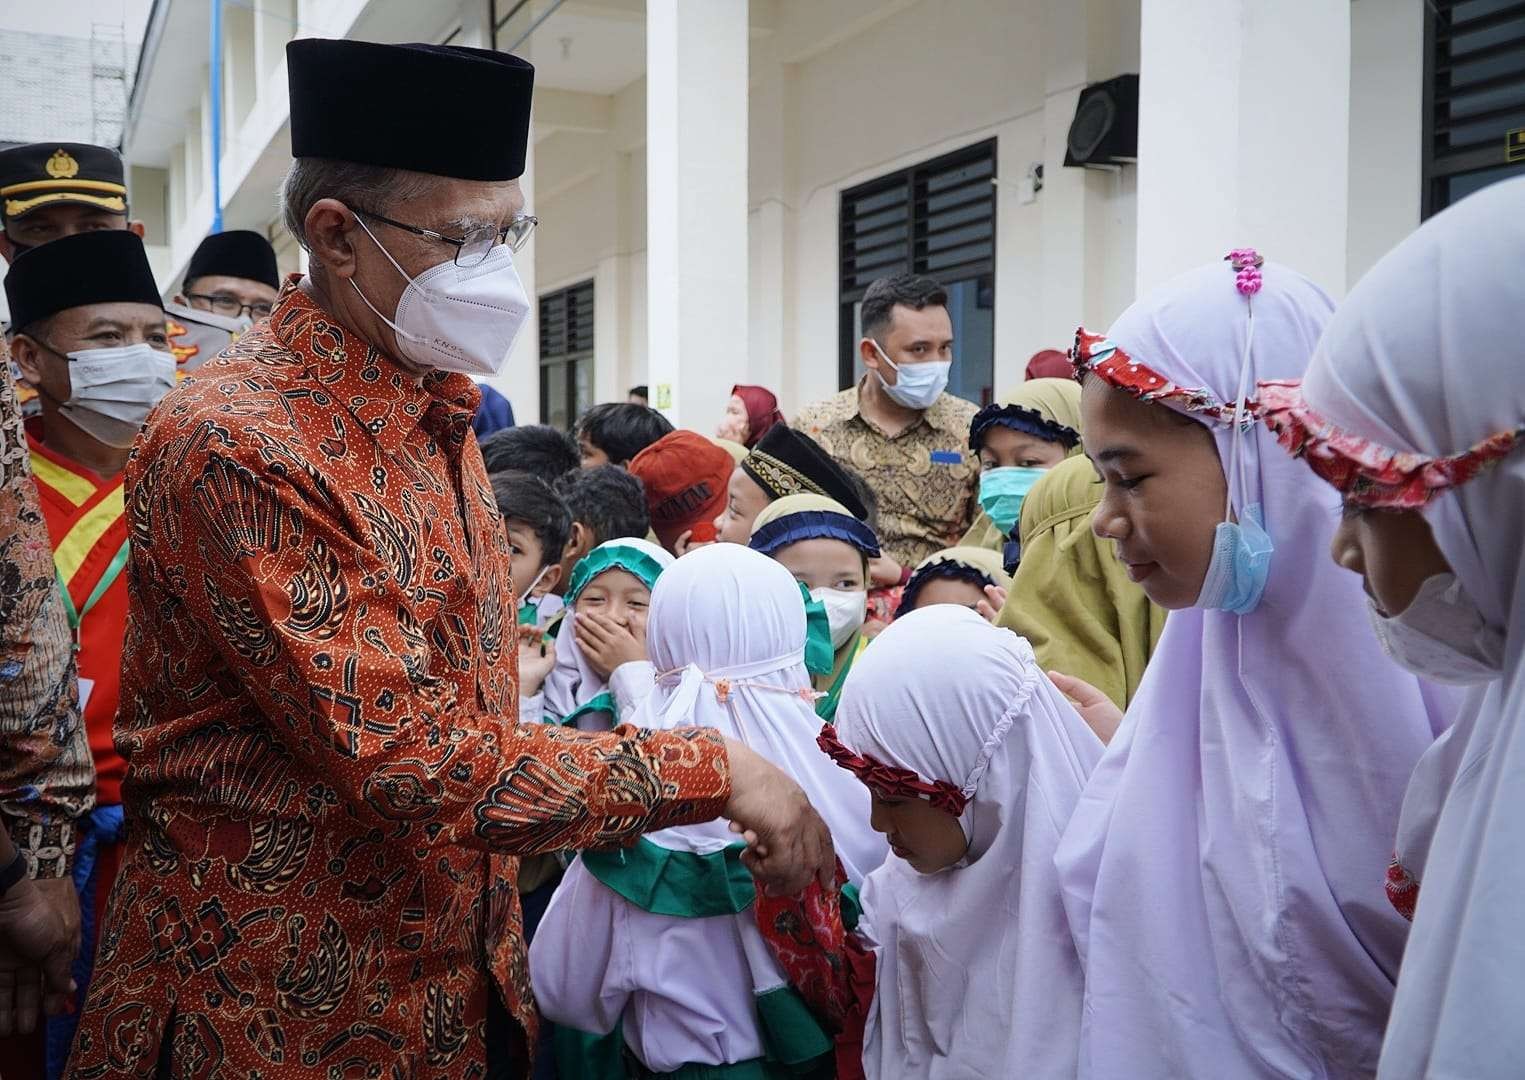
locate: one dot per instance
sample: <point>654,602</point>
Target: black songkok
<point>238,253</point>
<point>107,266</point>
<point>788,462</point>
<point>439,109</point>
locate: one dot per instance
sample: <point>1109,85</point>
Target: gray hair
<point>371,187</point>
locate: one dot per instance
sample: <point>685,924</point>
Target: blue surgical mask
<point>916,386</point>
<point>1002,492</point>
<point>1242,549</point>
<point>1240,565</point>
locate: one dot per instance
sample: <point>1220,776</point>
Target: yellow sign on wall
<point>1514,145</point>
<point>664,395</point>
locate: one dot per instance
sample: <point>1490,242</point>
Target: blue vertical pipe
<point>216,115</point>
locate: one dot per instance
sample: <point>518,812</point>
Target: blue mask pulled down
<point>1241,563</point>
<point>1002,492</point>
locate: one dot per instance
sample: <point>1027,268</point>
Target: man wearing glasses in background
<point>230,284</point>
<point>329,784</point>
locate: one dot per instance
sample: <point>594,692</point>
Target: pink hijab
<point>762,411</point>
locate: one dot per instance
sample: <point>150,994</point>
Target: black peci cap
<point>107,266</point>
<point>788,462</point>
<point>439,109</point>
<point>237,253</point>
<point>42,174</point>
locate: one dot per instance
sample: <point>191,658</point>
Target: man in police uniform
<point>88,334</point>
<point>55,189</point>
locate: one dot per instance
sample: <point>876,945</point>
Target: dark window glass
<point>1474,96</point>
<point>566,354</point>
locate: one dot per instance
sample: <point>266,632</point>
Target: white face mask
<point>1441,635</point>
<point>845,612</point>
<point>111,391</point>
<point>454,318</point>
<point>916,386</point>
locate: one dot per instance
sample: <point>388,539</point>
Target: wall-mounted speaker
<point>1105,128</point>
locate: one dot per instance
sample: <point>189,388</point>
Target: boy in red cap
<point>685,477</point>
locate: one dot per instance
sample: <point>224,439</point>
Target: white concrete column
<point>519,381</point>
<point>476,27</point>
<point>1386,142</point>
<point>771,225</point>
<point>1243,135</point>
<point>696,204</point>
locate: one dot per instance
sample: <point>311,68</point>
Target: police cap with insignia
<point>789,462</point>
<point>44,174</point>
<point>107,266</point>
<point>239,253</point>
<point>439,109</point>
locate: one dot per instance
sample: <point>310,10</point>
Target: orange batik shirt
<point>325,776</point>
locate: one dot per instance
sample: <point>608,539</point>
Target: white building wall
<point>1386,128</point>
<point>844,92</point>
<point>1244,135</point>
<point>838,101</point>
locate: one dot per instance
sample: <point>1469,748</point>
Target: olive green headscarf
<point>1071,597</point>
<point>1056,400</point>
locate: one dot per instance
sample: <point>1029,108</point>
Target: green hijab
<point>1071,598</point>
<point>1056,400</point>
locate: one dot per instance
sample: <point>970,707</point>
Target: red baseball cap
<point>685,476</point>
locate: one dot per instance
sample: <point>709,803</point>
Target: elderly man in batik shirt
<point>327,787</point>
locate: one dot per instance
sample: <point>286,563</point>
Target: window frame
<point>567,332</point>
<point>1439,166</point>
<point>918,236</point>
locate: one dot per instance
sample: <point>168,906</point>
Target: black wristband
<point>12,872</point>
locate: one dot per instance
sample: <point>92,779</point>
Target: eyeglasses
<point>229,305</point>
<point>472,248</point>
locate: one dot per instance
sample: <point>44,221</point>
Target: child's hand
<point>1099,712</point>
<point>990,607</point>
<point>683,545</point>
<point>606,643</point>
<point>537,657</point>
<point>884,573</point>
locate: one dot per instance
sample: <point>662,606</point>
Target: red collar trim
<point>1365,473</point>
<point>890,781</point>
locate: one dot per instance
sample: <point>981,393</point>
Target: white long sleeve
<point>631,683</point>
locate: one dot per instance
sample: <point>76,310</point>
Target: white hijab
<point>1423,357</point>
<point>573,683</point>
<point>977,973</point>
<point>728,623</point>
<point>1224,872</point>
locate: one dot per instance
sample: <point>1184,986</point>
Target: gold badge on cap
<point>62,166</point>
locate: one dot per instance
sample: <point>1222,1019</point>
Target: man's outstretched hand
<point>788,844</point>
<point>39,936</point>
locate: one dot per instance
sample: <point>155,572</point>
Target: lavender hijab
<point>1223,872</point>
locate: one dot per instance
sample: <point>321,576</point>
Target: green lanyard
<point>113,571</point>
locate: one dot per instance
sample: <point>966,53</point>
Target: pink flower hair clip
<point>1246,263</point>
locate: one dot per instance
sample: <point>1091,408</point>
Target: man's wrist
<point>13,872</point>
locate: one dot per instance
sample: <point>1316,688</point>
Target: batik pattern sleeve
<point>317,619</point>
<point>46,778</point>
